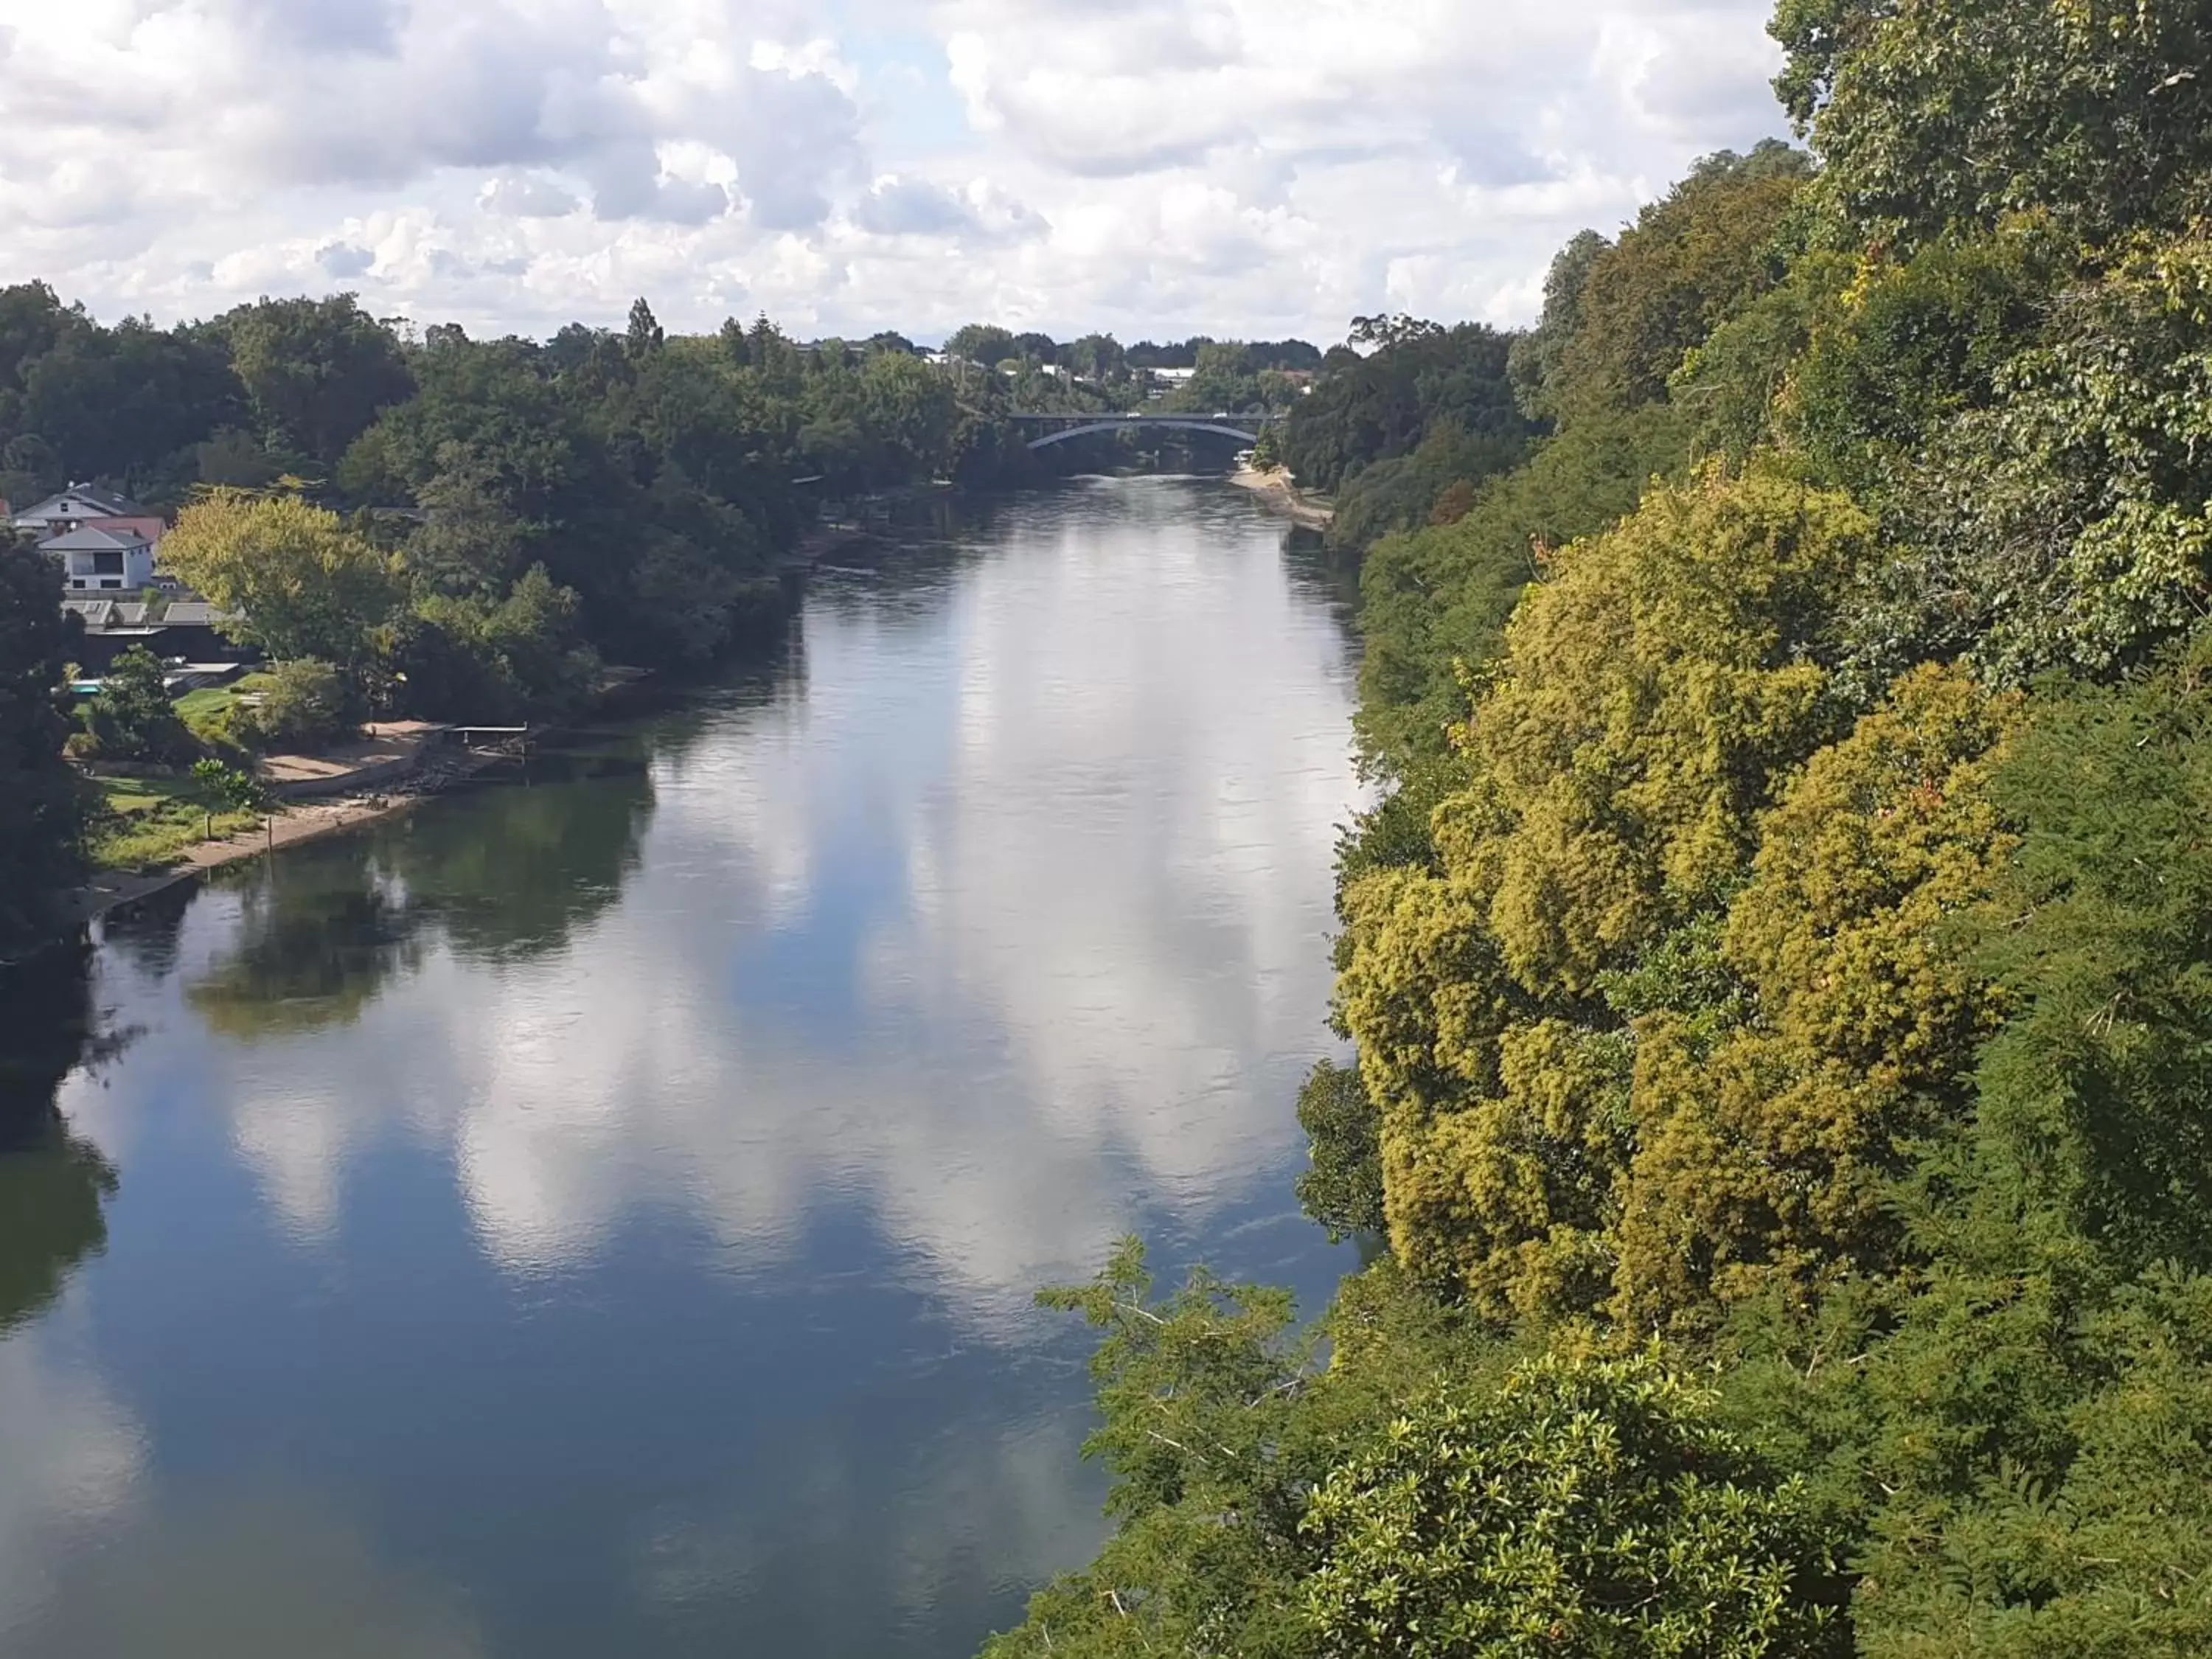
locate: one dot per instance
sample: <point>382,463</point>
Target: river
<point>601,1217</point>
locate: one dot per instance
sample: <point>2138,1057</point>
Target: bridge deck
<point>1089,423</point>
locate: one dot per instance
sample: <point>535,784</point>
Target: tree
<point>1653,698</point>
<point>132,403</point>
<point>1199,1397</point>
<point>985,343</point>
<point>1343,1190</point>
<point>1402,491</point>
<point>1383,332</point>
<point>2053,515</point>
<point>301,582</point>
<point>227,786</point>
<point>1957,112</point>
<point>1098,357</point>
<point>41,812</point>
<point>1535,358</point>
<point>132,718</point>
<point>909,410</point>
<point>1689,261</point>
<point>645,335</point>
<point>1434,604</point>
<point>305,704</point>
<point>317,372</point>
<point>1421,379</point>
<point>2093,1095</point>
<point>1585,1508</point>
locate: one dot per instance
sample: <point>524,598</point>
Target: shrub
<point>132,718</point>
<point>305,702</point>
<point>1583,1508</point>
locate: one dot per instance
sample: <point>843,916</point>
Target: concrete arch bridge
<point>1245,428</point>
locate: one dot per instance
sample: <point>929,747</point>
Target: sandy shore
<point>390,759</point>
<point>1279,494</point>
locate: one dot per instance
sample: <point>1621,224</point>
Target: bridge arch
<point>1168,422</point>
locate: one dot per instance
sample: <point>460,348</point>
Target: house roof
<point>97,613</point>
<point>102,614</point>
<point>86,539</point>
<point>105,503</point>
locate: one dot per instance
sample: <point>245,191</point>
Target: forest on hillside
<point>1777,969</point>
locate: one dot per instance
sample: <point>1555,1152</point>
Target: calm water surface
<point>601,1218</point>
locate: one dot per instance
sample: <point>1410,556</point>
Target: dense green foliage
<point>1780,956</point>
<point>1583,1508</point>
<point>39,808</point>
<point>1419,380</point>
<point>468,529</point>
<point>132,718</point>
<point>304,704</point>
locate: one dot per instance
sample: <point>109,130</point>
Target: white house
<point>84,504</point>
<point>103,560</point>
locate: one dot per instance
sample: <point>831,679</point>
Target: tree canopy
<point>40,814</point>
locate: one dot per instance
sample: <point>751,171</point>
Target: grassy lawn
<point>207,712</point>
<point>145,823</point>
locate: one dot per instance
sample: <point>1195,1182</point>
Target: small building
<point>186,631</point>
<point>97,560</point>
<point>83,506</point>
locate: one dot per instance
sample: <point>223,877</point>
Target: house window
<point>111,581</point>
<point>107,564</point>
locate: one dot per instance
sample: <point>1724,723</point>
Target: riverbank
<point>112,889</point>
<point>1279,494</point>
<point>371,800</point>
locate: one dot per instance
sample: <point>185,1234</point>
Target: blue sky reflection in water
<point>602,1217</point>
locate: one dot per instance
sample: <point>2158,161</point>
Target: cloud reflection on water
<point>667,1152</point>
<point>1006,927</point>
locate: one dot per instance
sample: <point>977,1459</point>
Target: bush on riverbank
<point>131,718</point>
<point>299,706</point>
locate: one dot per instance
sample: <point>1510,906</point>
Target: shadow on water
<point>53,1186</point>
<point>317,936</point>
<point>1319,573</point>
<point>505,874</point>
<point>512,872</point>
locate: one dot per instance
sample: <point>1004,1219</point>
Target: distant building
<point>102,559</point>
<point>83,505</point>
<point>186,631</point>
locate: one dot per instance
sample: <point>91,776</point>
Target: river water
<point>601,1217</point>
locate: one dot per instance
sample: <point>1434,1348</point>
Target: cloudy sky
<point>1150,166</point>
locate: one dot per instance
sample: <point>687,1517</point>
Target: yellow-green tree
<point>1613,1098</point>
<point>301,582</point>
<point>1763,1157</point>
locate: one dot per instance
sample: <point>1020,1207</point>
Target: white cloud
<point>1153,167</point>
<point>526,196</point>
<point>345,260</point>
<point>915,207</point>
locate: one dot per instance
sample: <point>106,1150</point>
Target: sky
<point>1255,168</point>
